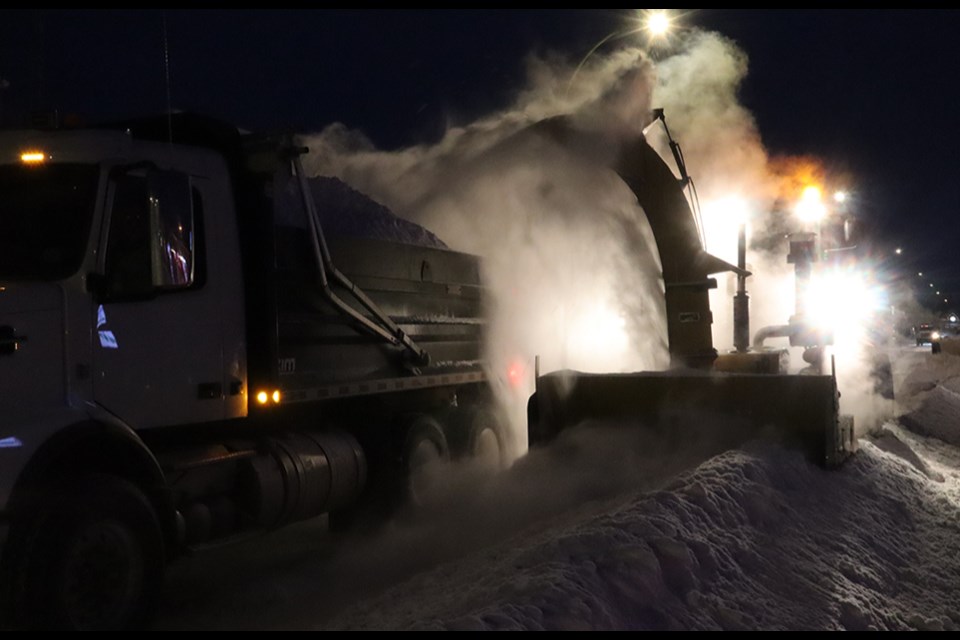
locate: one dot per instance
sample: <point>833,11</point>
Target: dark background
<point>872,93</point>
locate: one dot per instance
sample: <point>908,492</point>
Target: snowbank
<point>752,539</point>
<point>593,535</point>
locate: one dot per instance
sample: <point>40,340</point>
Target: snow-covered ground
<point>593,535</point>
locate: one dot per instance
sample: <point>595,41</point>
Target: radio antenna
<point>166,67</point>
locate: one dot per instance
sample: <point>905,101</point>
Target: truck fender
<point>91,446</point>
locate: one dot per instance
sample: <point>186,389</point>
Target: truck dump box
<point>345,298</point>
<point>433,295</point>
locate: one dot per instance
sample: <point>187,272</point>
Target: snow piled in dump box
<point>344,211</point>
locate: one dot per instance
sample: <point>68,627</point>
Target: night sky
<point>871,93</point>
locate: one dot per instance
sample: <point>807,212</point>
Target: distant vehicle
<point>926,333</point>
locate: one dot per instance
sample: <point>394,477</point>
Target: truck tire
<point>424,456</point>
<point>485,438</point>
<point>402,481</point>
<point>93,560</point>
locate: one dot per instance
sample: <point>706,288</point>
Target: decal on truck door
<point>107,339</point>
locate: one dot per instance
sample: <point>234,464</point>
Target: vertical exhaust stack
<point>741,301</point>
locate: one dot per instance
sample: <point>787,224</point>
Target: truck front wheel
<point>94,559</point>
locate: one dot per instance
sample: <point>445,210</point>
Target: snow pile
<point>344,211</point>
<point>597,533</point>
<point>755,538</point>
<point>931,398</point>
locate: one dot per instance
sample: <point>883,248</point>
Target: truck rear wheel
<point>486,444</point>
<point>424,456</point>
<point>403,475</point>
<point>94,559</point>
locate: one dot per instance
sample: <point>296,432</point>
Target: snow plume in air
<point>738,183</point>
<point>723,152</point>
<point>569,256</point>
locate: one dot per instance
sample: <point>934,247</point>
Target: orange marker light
<point>33,157</point>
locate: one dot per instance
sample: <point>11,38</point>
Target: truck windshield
<point>45,213</point>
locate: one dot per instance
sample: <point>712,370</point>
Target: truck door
<point>156,342</point>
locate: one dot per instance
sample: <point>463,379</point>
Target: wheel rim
<point>102,575</point>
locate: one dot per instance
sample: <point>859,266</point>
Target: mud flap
<point>711,410</point>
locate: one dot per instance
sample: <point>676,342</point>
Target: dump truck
<point>192,351</point>
<point>188,357</point>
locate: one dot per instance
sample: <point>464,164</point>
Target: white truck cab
<point>180,365</point>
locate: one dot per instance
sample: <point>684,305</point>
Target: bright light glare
<point>845,302</point>
<point>33,157</point>
<point>262,397</point>
<point>733,210</point>
<point>840,196</point>
<point>658,23</point>
<point>722,219</point>
<point>596,336</point>
<point>275,396</point>
<point>811,208</point>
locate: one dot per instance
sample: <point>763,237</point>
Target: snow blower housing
<point>747,386</point>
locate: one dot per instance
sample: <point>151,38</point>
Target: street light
<point>657,23</point>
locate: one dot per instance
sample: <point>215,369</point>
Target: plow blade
<point>712,411</point>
